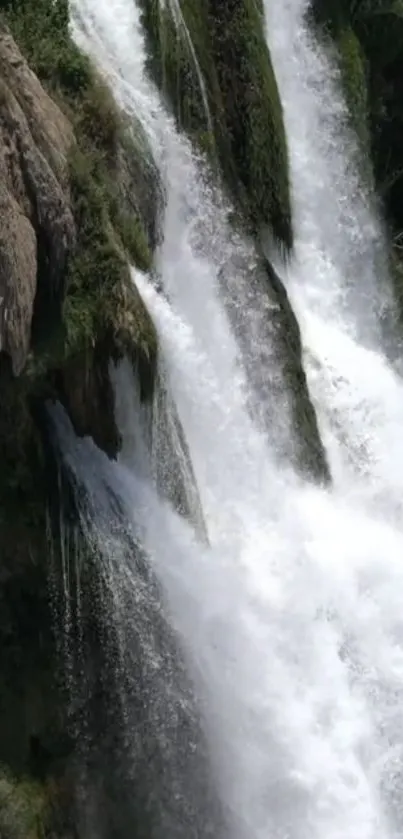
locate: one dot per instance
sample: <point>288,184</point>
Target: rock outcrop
<point>74,203</point>
<point>213,63</point>
<point>37,231</point>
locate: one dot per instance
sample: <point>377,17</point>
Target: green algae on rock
<point>309,457</point>
<point>213,62</point>
<point>93,312</point>
<point>354,80</point>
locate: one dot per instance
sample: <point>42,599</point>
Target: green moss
<point>98,278</point>
<point>134,239</point>
<point>132,205</point>
<point>97,266</point>
<point>98,282</point>
<point>354,79</point>
<point>253,114</point>
<point>213,62</point>
<point>41,29</point>
<point>97,119</point>
<point>100,296</point>
<point>102,318</point>
<point>23,808</point>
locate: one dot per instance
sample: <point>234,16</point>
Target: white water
<point>292,621</point>
<point>338,282</point>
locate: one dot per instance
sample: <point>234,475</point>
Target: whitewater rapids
<point>291,621</point>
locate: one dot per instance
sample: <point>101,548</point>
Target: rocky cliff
<point>73,206</point>
<point>79,198</point>
<point>38,230</point>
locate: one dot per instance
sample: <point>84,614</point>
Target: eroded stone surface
<point>37,227</point>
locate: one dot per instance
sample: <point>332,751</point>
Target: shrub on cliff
<point>98,277</point>
<point>41,29</point>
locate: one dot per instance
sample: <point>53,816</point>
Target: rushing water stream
<point>290,620</point>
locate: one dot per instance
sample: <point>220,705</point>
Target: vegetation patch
<point>22,808</point>
<point>354,80</point>
<point>105,234</point>
<point>101,317</point>
<point>212,60</point>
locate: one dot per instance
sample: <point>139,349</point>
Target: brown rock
<point>17,279</point>
<point>51,131</point>
<point>138,182</point>
<point>36,223</point>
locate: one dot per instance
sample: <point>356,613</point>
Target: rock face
<point>37,230</point>
<point>139,186</point>
<point>73,204</point>
<point>213,63</point>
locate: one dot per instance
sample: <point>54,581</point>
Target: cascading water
<point>290,620</point>
<point>338,282</point>
<point>338,237</point>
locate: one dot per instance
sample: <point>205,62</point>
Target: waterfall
<point>339,244</point>
<point>288,622</point>
<point>338,283</point>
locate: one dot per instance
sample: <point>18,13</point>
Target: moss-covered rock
<point>139,193</point>
<point>94,303</point>
<point>370,36</point>
<point>213,62</point>
<point>80,310</point>
<point>22,808</point>
<point>95,314</point>
<point>354,80</point>
<point>309,455</point>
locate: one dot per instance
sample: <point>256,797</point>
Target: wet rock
<point>37,228</point>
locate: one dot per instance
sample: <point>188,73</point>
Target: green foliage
<point>253,114</point>
<point>213,62</point>
<point>97,266</point>
<point>133,237</point>
<point>176,45</point>
<point>96,298</point>
<point>354,80</point>
<point>101,316</point>
<point>92,307</point>
<point>97,119</point>
<point>41,28</point>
